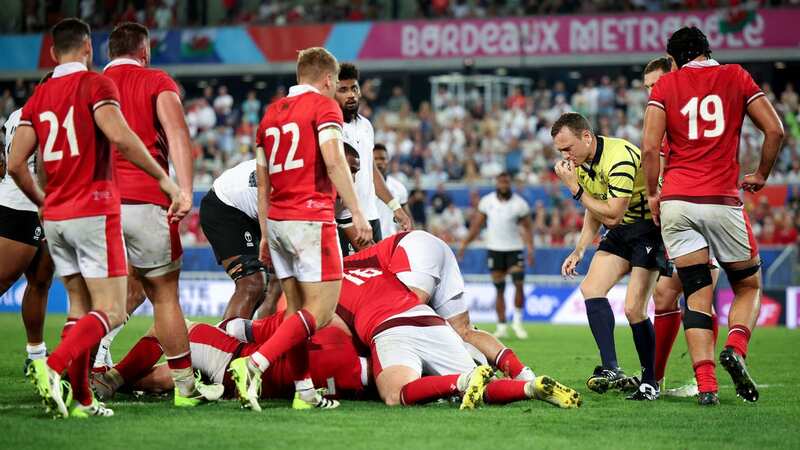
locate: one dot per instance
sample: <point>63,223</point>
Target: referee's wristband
<point>578,194</point>
<point>394,205</point>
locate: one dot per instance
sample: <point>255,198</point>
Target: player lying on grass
<point>408,337</point>
<point>428,267</point>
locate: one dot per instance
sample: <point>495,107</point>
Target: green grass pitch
<point>565,352</point>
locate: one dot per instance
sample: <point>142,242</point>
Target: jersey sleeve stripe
<point>105,102</point>
<point>634,156</point>
<point>754,96</point>
<point>620,190</point>
<point>328,124</point>
<point>25,122</point>
<point>656,104</point>
<point>622,174</point>
<point>623,163</point>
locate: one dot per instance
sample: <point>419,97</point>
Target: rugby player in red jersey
<point>151,104</point>
<point>427,266</point>
<point>701,107</point>
<point>301,168</point>
<point>74,117</point>
<point>666,295</point>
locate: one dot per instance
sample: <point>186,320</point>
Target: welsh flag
<point>737,16</point>
<point>197,43</point>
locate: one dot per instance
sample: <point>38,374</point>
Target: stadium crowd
<point>161,14</point>
<point>441,143</point>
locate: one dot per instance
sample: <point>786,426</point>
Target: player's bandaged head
<point>687,44</point>
<point>69,35</point>
<point>314,63</point>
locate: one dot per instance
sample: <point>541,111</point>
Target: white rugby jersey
<point>237,187</point>
<point>502,221</point>
<point>10,195</point>
<point>385,214</point>
<point>359,133</point>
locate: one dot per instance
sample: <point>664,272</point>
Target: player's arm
<point>609,212</point>
<point>475,225</point>
<point>332,149</point>
<point>764,116</point>
<point>588,231</point>
<point>263,189</point>
<point>170,114</point>
<point>383,193</point>
<point>655,125</point>
<point>22,147</point>
<point>112,123</point>
<point>526,225</point>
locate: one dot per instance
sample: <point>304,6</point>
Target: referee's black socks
<point>644,337</point>
<point>601,321</point>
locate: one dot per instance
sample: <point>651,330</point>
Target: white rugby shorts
<point>415,342</point>
<point>153,243</point>
<point>307,251</point>
<point>687,227</point>
<point>92,246</point>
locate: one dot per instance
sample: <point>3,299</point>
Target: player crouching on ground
<point>427,266</point>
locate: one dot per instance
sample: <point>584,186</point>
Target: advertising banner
<point>603,36</point>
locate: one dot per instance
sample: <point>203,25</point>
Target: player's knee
<point>665,297</point>
<point>251,287</point>
<point>500,286</point>
<point>748,277</point>
<point>518,277</point>
<point>392,399</point>
<point>635,313</point>
<point>694,278</point>
<point>244,266</point>
<point>697,319</point>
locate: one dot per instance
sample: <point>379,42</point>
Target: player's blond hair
<point>314,63</point>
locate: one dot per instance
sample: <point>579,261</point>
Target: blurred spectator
<point>440,199</point>
<point>398,100</point>
<point>417,205</point>
<point>223,105</point>
<point>251,109</point>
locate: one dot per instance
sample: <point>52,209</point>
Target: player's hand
<point>753,182</point>
<point>531,257</point>
<point>167,186</point>
<point>654,202</point>
<point>184,206</point>
<point>402,219</point>
<point>566,172</point>
<point>570,266</point>
<point>263,252</point>
<point>363,230</point>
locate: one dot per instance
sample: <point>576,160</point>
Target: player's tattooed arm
<point>22,147</point>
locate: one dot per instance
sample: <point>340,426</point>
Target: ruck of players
<point>337,296</point>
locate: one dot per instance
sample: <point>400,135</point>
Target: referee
<point>604,174</point>
<point>359,133</point>
<point>508,228</point>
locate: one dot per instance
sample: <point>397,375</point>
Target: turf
<point>565,352</point>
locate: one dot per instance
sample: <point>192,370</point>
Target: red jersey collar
<point>69,68</point>
<point>699,64</point>
<point>121,61</point>
<point>301,89</point>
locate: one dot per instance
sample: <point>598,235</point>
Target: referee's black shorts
<point>639,243</point>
